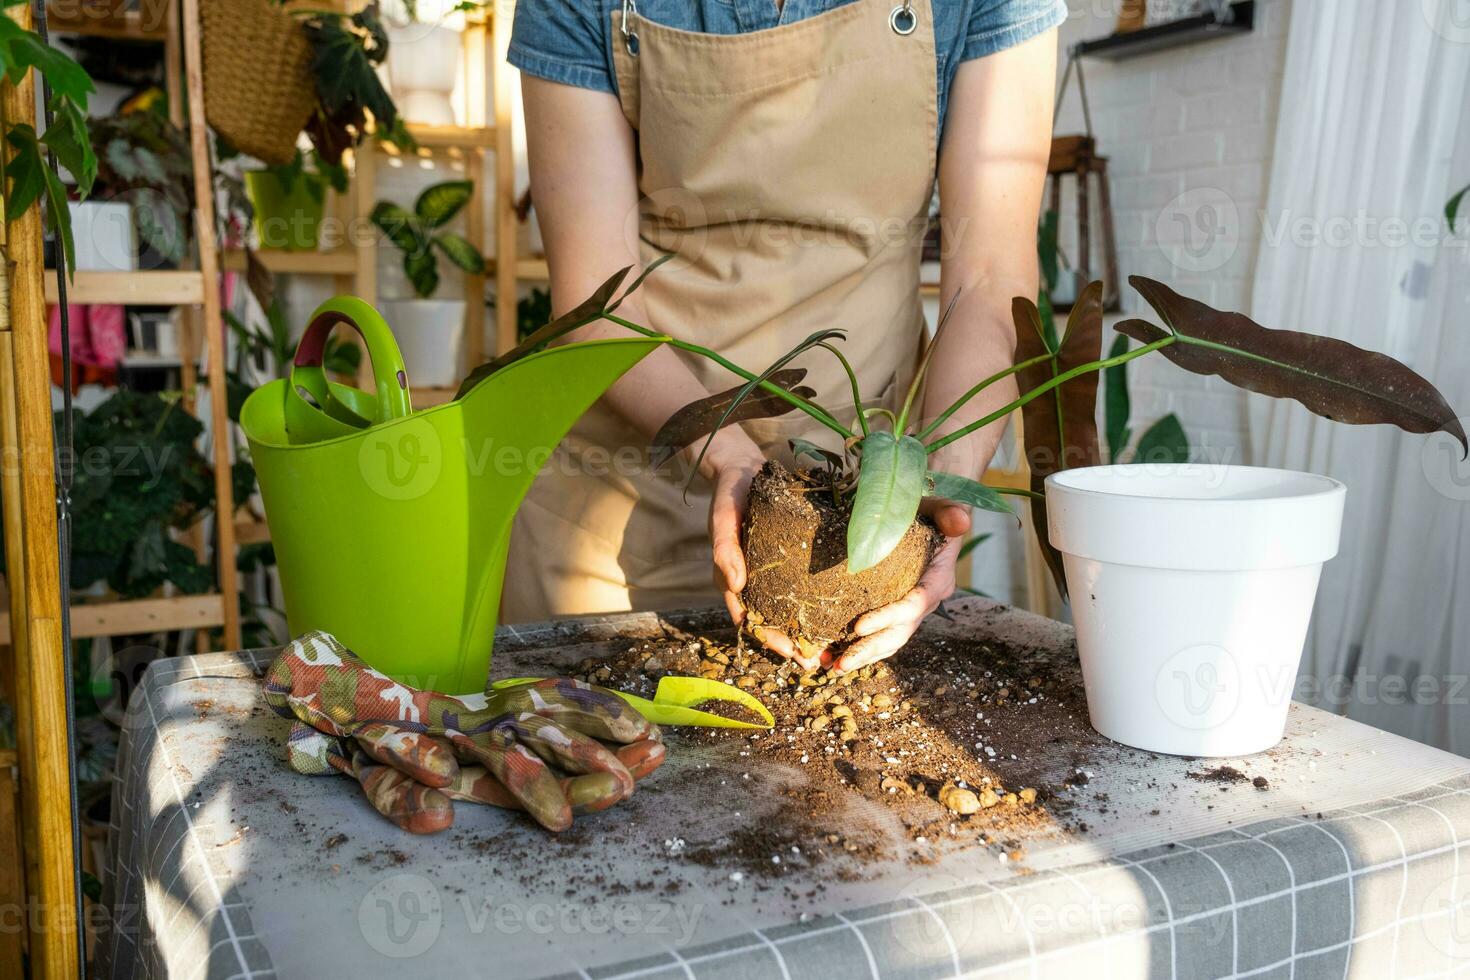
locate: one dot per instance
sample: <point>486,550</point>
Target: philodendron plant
<point>877,470</point>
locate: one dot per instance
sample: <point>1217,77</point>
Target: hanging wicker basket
<point>258,87</point>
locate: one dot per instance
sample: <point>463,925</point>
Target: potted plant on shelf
<point>1175,570</point>
<point>144,166</point>
<point>429,330</point>
<point>288,200</point>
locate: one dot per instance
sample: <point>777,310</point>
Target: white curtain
<point>1372,139</point>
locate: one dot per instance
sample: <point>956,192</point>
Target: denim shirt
<point>570,41</point>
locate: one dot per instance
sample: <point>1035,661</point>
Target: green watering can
<point>391,526</point>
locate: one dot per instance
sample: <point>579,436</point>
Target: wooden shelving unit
<point>191,289</point>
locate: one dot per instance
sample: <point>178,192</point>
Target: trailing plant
<point>138,477</point>
<point>889,465</point>
<point>418,234</point>
<point>27,170</point>
<point>346,50</point>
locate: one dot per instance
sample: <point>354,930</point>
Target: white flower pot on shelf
<point>429,332</point>
<point>103,234</point>
<point>1192,587</point>
<point>423,67</point>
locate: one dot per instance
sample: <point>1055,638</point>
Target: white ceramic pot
<point>429,332</point>
<point>1191,587</point>
<point>423,67</point>
<point>103,235</point>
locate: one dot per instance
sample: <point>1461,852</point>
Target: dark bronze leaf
<point>584,313</point>
<point>1333,378</point>
<point>1060,427</point>
<point>699,418</point>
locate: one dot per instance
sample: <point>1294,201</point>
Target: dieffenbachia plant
<point>28,172</point>
<point>418,233</point>
<point>882,461</point>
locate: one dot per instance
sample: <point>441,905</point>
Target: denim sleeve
<point>999,24</point>
<point>562,41</point>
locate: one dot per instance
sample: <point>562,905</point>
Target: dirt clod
<point>796,556</point>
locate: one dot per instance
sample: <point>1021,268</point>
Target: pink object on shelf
<point>98,336</point>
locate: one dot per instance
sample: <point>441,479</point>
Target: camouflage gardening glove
<point>533,746</point>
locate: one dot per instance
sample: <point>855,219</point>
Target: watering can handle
<point>389,375</point>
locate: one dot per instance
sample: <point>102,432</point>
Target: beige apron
<point>790,172</point>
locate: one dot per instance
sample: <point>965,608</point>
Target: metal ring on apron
<point>903,20</point>
<point>630,38</point>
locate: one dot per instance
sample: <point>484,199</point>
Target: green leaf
<point>440,203</point>
<point>21,50</point>
<point>972,544</point>
<point>1163,442</point>
<point>1116,406</point>
<point>27,182</point>
<point>890,485</point>
<point>1452,206</point>
<point>401,227</point>
<point>67,137</point>
<point>963,490</point>
<point>343,63</point>
<point>459,251</point>
<point>422,270</point>
<point>28,168</point>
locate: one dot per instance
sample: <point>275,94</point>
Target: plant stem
<point>960,402</point>
<point>1040,390</point>
<point>810,408</point>
<point>857,396</point>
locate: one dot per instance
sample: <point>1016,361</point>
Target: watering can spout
<point>392,533</point>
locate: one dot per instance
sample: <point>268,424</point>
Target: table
<point>1356,862</point>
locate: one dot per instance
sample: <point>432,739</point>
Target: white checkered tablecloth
<point>1355,864</point>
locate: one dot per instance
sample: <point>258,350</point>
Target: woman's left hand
<point>883,632</point>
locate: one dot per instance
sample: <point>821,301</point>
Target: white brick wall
<point>1184,130</point>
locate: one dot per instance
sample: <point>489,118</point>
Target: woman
<point>785,153</point>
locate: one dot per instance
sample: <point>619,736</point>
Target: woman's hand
<point>734,460</point>
<point>883,632</point>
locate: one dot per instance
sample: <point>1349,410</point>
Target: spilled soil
<point>933,736</point>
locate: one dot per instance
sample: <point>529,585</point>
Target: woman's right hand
<point>733,460</point>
